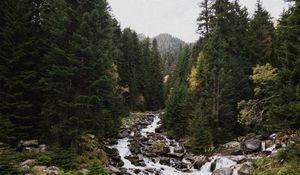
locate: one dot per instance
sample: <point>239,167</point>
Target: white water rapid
<point>153,163</point>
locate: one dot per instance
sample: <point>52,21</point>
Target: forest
<point>70,77</point>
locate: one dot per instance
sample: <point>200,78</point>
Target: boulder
<point>223,171</point>
<point>52,170</point>
<point>39,169</point>
<point>164,161</point>
<point>29,162</point>
<point>237,159</point>
<point>28,143</point>
<point>178,149</point>
<point>115,170</point>
<point>252,145</point>
<point>159,129</point>
<point>234,145</point>
<point>213,165</point>
<point>199,161</point>
<point>232,151</point>
<point>246,169</point>
<point>25,169</point>
<point>43,148</point>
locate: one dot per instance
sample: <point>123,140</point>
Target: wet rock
<point>199,161</point>
<point>164,161</point>
<point>213,165</point>
<point>178,149</point>
<point>246,169</point>
<point>159,129</point>
<point>237,159</point>
<point>252,145</point>
<point>115,170</point>
<point>233,151</point>
<point>181,166</point>
<point>136,160</point>
<point>223,171</point>
<point>124,133</point>
<point>175,155</point>
<point>137,171</point>
<point>269,143</point>
<point>52,170</point>
<point>115,158</point>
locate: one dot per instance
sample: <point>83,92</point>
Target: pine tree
<point>20,69</point>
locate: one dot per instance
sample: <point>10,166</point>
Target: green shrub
<point>44,159</point>
<point>95,167</point>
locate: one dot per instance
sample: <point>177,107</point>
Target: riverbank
<point>143,148</point>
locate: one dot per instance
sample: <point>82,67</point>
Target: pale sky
<point>176,17</point>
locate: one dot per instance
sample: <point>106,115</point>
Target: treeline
<point>242,75</point>
<point>67,69</point>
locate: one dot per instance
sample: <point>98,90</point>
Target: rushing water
<point>123,147</point>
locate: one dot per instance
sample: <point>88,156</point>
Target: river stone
<point>52,170</point>
<point>246,169</point>
<point>115,170</point>
<point>159,129</point>
<point>252,145</point>
<point>223,171</point>
<point>199,161</point>
<point>164,161</point>
<point>213,165</point>
<point>178,149</point>
<point>237,159</point>
<point>234,144</point>
<point>233,151</point>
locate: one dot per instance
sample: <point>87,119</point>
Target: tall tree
<point>80,80</point>
<point>261,36</point>
<point>20,69</point>
<point>155,94</point>
<point>205,16</point>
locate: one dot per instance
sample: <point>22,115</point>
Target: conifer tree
<point>155,94</point>
<point>286,107</point>
<point>20,69</point>
<point>81,79</point>
<point>261,36</point>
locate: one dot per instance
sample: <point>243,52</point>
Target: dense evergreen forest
<point>68,70</point>
<point>241,76</point>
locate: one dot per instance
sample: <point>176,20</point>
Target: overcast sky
<point>176,17</point>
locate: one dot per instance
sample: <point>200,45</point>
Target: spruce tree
<point>155,94</point>
<point>261,36</point>
<point>286,107</point>
<point>20,69</point>
<point>80,80</point>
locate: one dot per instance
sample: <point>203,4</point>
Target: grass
<point>286,162</point>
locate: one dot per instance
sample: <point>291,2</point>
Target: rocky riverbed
<point>143,149</point>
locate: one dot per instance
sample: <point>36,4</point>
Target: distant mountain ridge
<point>167,44</point>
